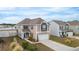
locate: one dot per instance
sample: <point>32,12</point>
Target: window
<point>25,27</point>
<point>61,27</point>
<point>26,35</point>
<point>67,27</point>
<point>31,27</point>
<point>44,27</point>
<point>78,28</point>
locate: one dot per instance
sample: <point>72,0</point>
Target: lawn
<point>38,46</point>
<point>67,41</point>
<point>76,34</point>
<point>42,47</point>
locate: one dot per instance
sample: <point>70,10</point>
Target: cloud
<point>7,8</point>
<point>13,20</point>
<point>72,17</point>
<point>16,14</point>
<point>56,9</point>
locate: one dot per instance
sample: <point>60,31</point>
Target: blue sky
<point>17,14</point>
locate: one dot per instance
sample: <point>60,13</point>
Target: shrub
<point>32,47</point>
<point>12,45</point>
<point>68,41</point>
<point>31,38</point>
<point>24,44</point>
<point>18,48</point>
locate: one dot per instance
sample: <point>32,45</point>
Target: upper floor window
<point>44,27</point>
<point>66,27</point>
<point>25,27</point>
<point>61,27</point>
<point>31,27</point>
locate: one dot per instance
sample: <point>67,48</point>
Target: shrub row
<point>28,46</point>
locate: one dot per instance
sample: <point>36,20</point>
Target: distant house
<point>6,25</point>
<point>60,28</point>
<point>7,32</point>
<point>37,27</point>
<point>74,25</point>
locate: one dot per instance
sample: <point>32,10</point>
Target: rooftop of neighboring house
<point>7,29</point>
<point>74,23</point>
<point>59,22</point>
<point>68,30</point>
<point>31,21</point>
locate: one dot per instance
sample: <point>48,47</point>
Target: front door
<point>63,34</point>
<point>26,35</point>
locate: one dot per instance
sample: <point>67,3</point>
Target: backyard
<point>66,41</point>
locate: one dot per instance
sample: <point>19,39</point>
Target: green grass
<point>74,42</point>
<point>76,34</point>
<point>42,47</point>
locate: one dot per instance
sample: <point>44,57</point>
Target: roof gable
<point>60,22</point>
<point>31,21</point>
<point>74,23</point>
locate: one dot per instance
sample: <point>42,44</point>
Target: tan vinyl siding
<point>38,28</point>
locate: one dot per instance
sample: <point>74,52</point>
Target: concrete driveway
<point>56,46</point>
<point>75,37</point>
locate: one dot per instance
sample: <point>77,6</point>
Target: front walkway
<point>56,46</point>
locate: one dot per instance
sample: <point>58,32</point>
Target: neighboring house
<point>7,32</point>
<point>74,25</point>
<point>6,25</point>
<point>60,28</point>
<point>37,27</point>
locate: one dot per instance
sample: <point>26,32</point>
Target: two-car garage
<point>43,37</point>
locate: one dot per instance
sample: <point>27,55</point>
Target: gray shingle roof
<point>31,21</point>
<point>74,23</point>
<point>60,22</point>
<point>25,21</point>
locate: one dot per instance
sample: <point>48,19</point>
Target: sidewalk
<point>56,46</point>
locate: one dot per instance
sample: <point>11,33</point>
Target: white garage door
<point>70,34</point>
<point>43,36</point>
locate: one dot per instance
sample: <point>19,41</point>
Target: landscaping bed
<point>42,47</point>
<point>31,39</point>
<point>32,47</point>
<point>66,41</point>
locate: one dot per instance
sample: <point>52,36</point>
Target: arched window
<point>43,27</point>
<point>66,27</point>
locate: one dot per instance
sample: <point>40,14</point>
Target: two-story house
<point>60,28</point>
<point>37,27</point>
<point>74,25</point>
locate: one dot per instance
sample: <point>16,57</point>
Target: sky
<point>16,14</point>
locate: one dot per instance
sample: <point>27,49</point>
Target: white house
<point>37,27</point>
<point>7,32</point>
<point>74,25</point>
<point>60,28</point>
